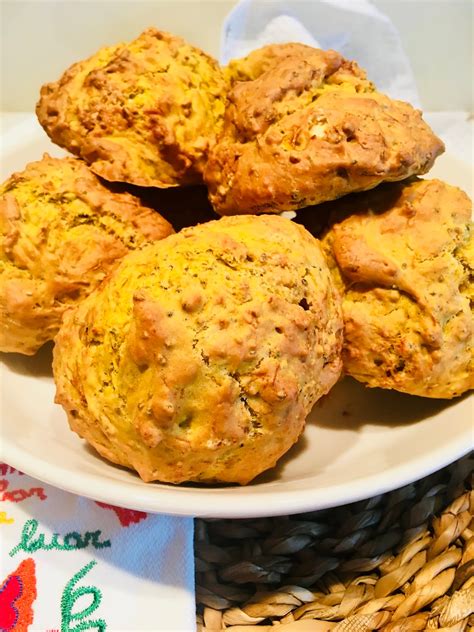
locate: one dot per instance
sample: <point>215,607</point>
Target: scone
<point>404,260</point>
<point>263,59</point>
<point>309,128</point>
<point>61,232</point>
<point>201,356</point>
<point>145,112</point>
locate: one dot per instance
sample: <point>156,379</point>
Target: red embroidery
<point>9,614</point>
<point>8,469</point>
<point>125,516</point>
<point>17,495</point>
<point>17,594</point>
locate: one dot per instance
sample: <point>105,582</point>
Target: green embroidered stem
<point>71,595</point>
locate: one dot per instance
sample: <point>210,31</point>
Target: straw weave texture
<point>398,562</point>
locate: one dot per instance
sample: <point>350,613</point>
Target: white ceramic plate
<point>358,442</point>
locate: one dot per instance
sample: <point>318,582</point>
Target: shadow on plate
<point>276,473</point>
<point>351,405</point>
<point>39,365</point>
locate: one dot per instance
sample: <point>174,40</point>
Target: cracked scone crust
<point>202,355</point>
<point>263,59</point>
<point>309,128</point>
<point>404,263</point>
<point>145,112</point>
<point>61,232</point>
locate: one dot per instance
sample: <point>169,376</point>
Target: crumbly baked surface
<point>202,355</point>
<point>61,232</point>
<point>306,126</point>
<point>263,59</point>
<point>404,260</point>
<point>144,112</point>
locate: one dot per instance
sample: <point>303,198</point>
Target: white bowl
<point>358,442</point>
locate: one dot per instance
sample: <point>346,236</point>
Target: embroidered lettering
<point>71,541</point>
<point>17,495</point>
<point>71,595</point>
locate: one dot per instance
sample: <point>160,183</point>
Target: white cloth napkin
<point>68,561</point>
<point>355,28</point>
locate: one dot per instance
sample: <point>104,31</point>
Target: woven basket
<point>402,561</point>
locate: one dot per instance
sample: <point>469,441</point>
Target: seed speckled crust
<point>202,355</point>
<point>145,112</point>
<point>61,232</point>
<point>304,126</point>
<point>404,260</point>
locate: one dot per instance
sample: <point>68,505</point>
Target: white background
<point>40,38</point>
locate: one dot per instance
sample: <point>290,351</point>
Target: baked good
<point>144,112</point>
<point>307,129</point>
<point>201,356</point>
<point>404,259</point>
<point>61,232</point>
<point>267,57</point>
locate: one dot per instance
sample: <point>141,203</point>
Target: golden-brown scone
<point>61,232</point>
<point>404,262</point>
<point>307,129</point>
<point>263,59</point>
<point>145,112</point>
<point>201,356</point>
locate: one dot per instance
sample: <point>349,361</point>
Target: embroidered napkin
<point>69,563</point>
